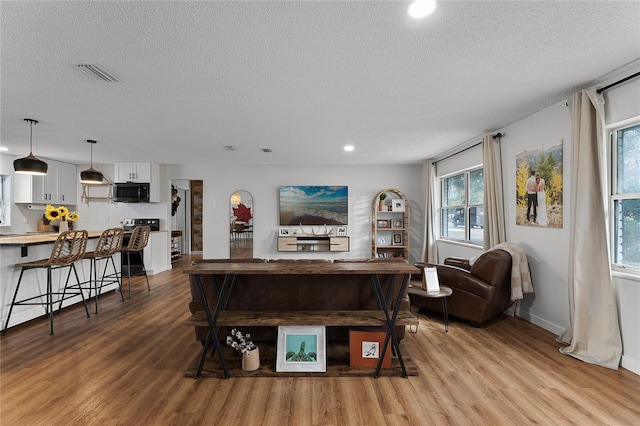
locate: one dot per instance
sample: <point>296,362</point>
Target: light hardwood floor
<point>126,366</point>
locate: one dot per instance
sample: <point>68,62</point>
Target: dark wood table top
<point>292,268</point>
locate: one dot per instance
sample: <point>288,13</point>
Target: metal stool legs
<point>49,297</point>
<point>93,276</point>
<point>144,271</point>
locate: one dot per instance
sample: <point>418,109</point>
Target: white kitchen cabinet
<point>67,183</point>
<point>156,253</point>
<point>134,171</point>
<point>141,172</point>
<point>58,186</point>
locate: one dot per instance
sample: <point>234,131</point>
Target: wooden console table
<point>218,316</point>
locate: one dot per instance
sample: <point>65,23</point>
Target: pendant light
<point>91,175</point>
<point>30,165</point>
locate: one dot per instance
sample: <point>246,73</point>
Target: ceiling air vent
<point>230,148</point>
<point>96,72</point>
<point>266,150</point>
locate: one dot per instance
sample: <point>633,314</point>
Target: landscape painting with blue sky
<point>314,205</point>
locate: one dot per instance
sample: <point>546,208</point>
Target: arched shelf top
<point>390,224</point>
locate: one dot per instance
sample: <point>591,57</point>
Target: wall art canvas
<point>539,186</point>
<point>314,205</point>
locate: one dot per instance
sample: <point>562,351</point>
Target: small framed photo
<point>284,232</point>
<point>365,347</point>
<point>382,223</point>
<point>397,205</point>
<point>341,231</point>
<point>397,239</point>
<point>396,223</point>
<point>301,348</point>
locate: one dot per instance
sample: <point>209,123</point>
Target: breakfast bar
<point>25,248</point>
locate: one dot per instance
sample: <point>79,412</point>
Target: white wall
<point>547,248</point>
<point>263,183</point>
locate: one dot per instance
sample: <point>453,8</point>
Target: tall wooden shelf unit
<point>390,224</point>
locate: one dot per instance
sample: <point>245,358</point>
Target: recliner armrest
<point>458,262</point>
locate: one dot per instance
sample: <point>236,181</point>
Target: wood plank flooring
<point>126,365</point>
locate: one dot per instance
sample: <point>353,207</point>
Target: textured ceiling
<point>301,78</point>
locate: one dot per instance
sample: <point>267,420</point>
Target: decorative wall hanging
<point>539,187</point>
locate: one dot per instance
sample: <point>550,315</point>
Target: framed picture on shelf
<point>397,239</point>
<point>284,232</point>
<point>301,348</point>
<point>396,223</point>
<point>397,205</point>
<point>382,223</point>
<point>341,231</point>
<point>365,347</point>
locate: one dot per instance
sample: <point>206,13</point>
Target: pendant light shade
<point>91,175</point>
<point>30,164</point>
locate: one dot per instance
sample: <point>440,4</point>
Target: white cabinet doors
<point>58,186</point>
<point>130,171</point>
<point>67,183</point>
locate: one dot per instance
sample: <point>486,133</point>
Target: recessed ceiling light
<point>4,148</point>
<point>348,148</point>
<point>421,8</point>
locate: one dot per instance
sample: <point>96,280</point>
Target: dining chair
<point>109,243</point>
<point>69,247</point>
<point>137,242</point>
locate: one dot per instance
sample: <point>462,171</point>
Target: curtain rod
<point>497,135</point>
<point>617,82</point>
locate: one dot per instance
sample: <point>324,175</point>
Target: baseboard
<point>540,322</point>
<point>631,364</point>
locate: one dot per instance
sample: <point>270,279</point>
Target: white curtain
<point>494,229</point>
<point>429,248</point>
<point>593,334</point>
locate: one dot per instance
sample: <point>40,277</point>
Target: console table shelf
<point>327,318</point>
<point>337,365</point>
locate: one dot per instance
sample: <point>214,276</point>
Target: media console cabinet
<point>312,243</point>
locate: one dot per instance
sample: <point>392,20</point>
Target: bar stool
<point>68,248</point>
<point>110,243</point>
<point>137,242</point>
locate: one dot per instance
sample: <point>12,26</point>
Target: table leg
<point>391,334</point>
<point>211,320</point>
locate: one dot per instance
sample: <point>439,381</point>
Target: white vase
<point>251,360</point>
<point>64,226</point>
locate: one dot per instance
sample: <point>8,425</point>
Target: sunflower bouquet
<point>60,213</point>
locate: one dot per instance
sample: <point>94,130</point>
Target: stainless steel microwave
<point>131,192</point>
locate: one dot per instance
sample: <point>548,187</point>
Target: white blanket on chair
<point>520,276</point>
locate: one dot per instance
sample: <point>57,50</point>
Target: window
<point>462,206</point>
<point>625,199</point>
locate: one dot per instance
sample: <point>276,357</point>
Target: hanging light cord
<point>31,123</point>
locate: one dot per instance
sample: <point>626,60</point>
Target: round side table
<point>442,294</point>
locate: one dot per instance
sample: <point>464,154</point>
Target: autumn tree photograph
<point>539,187</point>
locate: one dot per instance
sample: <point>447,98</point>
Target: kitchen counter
<point>36,238</point>
<point>35,246</point>
<point>27,240</point>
